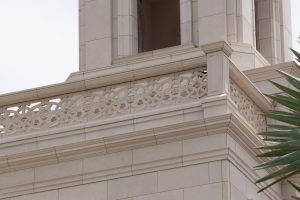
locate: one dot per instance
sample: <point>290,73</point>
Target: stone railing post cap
<point>217,46</point>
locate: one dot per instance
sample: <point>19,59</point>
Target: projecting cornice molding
<point>218,46</point>
<point>270,72</point>
<point>249,88</point>
<point>230,123</point>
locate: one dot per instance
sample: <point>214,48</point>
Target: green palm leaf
<point>287,90</point>
<point>278,180</point>
<point>297,187</point>
<point>293,80</point>
<point>296,54</point>
<point>284,139</point>
<point>286,101</point>
<point>286,117</point>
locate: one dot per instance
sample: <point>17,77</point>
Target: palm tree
<point>283,141</point>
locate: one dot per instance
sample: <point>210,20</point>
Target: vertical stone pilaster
<point>217,67</point>
<point>115,29</point>
<point>212,22</point>
<point>127,27</point>
<point>195,31</point>
<point>186,21</point>
<point>82,64</point>
<point>218,81</point>
<point>231,21</point>
<point>95,34</point>
<point>245,22</point>
<point>268,30</point>
<point>286,30</point>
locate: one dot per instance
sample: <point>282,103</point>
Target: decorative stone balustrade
<point>105,102</point>
<point>247,108</point>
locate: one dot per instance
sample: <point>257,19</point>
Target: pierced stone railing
<point>105,102</point>
<point>247,108</point>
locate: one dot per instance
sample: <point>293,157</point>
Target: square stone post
<point>186,21</point>
<point>126,27</point>
<point>82,35</point>
<point>268,29</point>
<point>286,30</point>
<point>212,21</point>
<point>95,34</point>
<point>218,81</point>
<point>245,21</point>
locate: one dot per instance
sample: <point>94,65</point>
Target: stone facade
<point>140,122</point>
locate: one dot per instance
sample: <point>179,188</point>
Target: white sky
<point>39,41</point>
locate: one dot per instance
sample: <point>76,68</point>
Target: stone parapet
<point>106,102</point>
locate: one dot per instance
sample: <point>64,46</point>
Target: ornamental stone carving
<point>247,108</point>
<point>122,99</point>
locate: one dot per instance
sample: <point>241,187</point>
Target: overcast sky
<point>39,41</point>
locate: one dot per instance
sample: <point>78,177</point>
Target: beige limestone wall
<point>268,29</point>
<point>109,29</point>
<point>211,21</point>
<point>273,27</point>
<point>286,30</point>
<point>187,183</point>
<point>245,22</point>
<point>183,170</point>
<point>95,33</point>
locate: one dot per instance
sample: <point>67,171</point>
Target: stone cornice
<point>135,169</point>
<point>218,46</point>
<point>248,48</point>
<point>249,88</point>
<point>269,72</point>
<point>231,123</point>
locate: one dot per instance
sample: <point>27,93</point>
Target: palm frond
<point>296,187</point>
<point>284,139</point>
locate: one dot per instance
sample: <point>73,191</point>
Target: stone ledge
<point>222,154</point>
<point>249,88</point>
<point>231,123</point>
<point>218,46</point>
<point>127,99</point>
<point>269,72</point>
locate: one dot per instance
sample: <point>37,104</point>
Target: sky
<point>39,41</point>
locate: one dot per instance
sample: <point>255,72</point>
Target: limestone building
<point>165,106</point>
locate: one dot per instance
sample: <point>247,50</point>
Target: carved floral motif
<point>167,90</point>
<point>247,108</point>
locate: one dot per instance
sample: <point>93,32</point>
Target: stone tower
<point>165,106</point>
<point>258,31</point>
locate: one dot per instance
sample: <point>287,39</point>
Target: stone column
<point>231,14</point>
<point>245,22</point>
<point>218,83</point>
<point>268,30</point>
<point>95,34</point>
<point>186,21</point>
<point>286,30</point>
<point>195,31</point>
<point>81,35</point>
<point>212,21</point>
<point>127,28</point>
